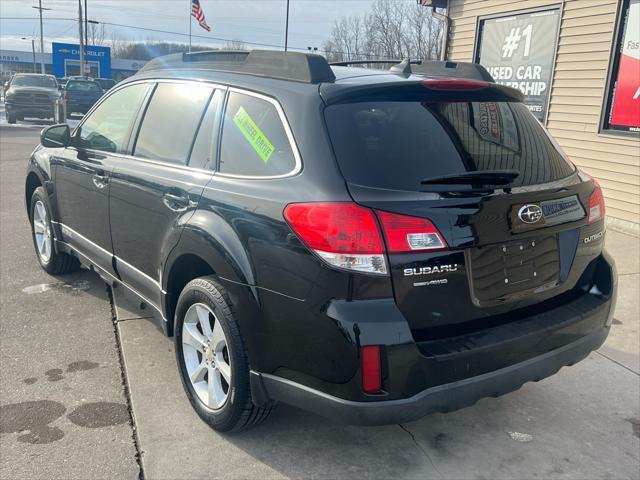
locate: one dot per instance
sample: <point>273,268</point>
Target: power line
<point>205,37</point>
<point>272,45</point>
<point>208,37</point>
<point>66,29</point>
<point>32,18</point>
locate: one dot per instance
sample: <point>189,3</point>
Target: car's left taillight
<point>347,235</point>
<point>343,234</point>
<point>596,202</point>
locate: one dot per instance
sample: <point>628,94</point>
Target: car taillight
<point>596,202</point>
<point>343,234</point>
<point>346,235</point>
<point>454,84</point>
<point>370,366</point>
<point>409,234</point>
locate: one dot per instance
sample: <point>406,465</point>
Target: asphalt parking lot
<point>89,389</point>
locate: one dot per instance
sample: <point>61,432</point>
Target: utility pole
<point>33,51</point>
<point>80,35</point>
<point>86,26</point>
<point>40,8</point>
<point>286,29</point>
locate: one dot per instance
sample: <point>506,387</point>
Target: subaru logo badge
<point>530,213</point>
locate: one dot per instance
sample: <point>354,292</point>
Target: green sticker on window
<point>253,134</point>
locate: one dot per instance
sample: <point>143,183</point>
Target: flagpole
<point>286,29</point>
<point>189,26</point>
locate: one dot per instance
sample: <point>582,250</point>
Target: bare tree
<point>389,30</point>
<point>97,34</point>
<point>328,48</point>
<point>349,40</point>
<point>117,45</point>
<point>235,44</point>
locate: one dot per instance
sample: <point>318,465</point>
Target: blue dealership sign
<point>69,53</point>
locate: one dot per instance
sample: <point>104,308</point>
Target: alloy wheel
<point>206,356</point>
<point>42,231</point>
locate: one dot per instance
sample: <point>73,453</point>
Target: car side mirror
<point>56,136</point>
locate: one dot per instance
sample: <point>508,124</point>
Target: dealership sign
<point>64,53</point>
<point>625,106</point>
<point>518,51</point>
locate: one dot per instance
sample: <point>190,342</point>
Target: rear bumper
<point>79,107</point>
<point>455,373</point>
<point>443,398</point>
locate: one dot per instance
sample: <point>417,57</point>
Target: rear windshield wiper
<point>480,178</point>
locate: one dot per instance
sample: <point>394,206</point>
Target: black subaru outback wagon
<point>369,245</point>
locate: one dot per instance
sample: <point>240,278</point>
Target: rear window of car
<point>45,81</point>
<point>395,145</point>
<point>74,85</point>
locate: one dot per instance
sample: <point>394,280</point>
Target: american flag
<point>198,14</point>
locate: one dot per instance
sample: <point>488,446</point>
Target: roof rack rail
<point>297,66</point>
<point>472,71</point>
<point>371,62</point>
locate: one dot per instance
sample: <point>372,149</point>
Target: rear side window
<point>107,127</point>
<point>254,141</point>
<point>397,144</point>
<point>84,87</point>
<point>170,121</point>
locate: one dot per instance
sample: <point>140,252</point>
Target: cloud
<point>15,42</point>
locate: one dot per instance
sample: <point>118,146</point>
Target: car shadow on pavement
<point>549,427</point>
<point>297,444</point>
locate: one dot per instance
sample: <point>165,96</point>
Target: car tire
<point>203,314</point>
<point>52,261</point>
<point>11,118</point>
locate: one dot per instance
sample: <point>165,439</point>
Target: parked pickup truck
<point>31,95</point>
<point>81,95</point>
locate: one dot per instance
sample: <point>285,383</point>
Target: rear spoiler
<point>471,71</point>
<point>437,89</point>
<point>428,68</point>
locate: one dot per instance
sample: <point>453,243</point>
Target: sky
<point>257,21</point>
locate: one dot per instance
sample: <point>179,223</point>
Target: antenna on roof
<point>404,67</point>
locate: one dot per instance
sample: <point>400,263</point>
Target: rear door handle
<point>176,203</point>
<point>100,180</point>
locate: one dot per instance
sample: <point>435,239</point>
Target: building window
<point>518,49</point>
<point>622,106</point>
